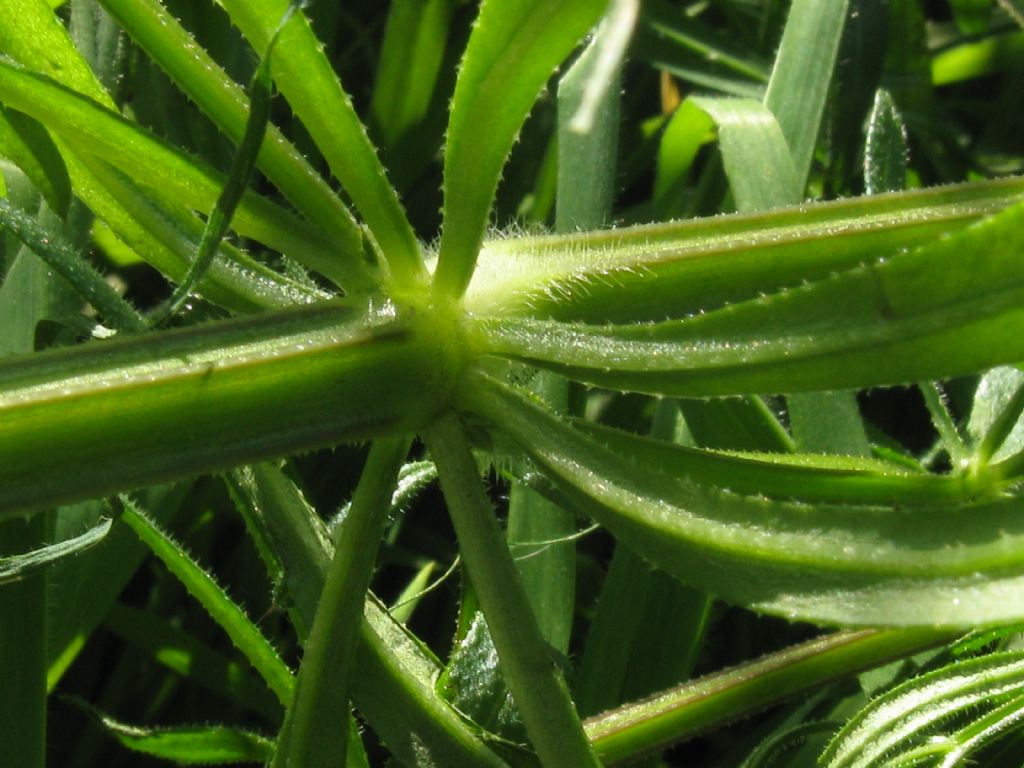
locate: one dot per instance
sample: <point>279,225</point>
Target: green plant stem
<point>535,682</point>
<point>315,730</point>
<point>151,408</point>
<point>23,650</point>
<point>693,708</point>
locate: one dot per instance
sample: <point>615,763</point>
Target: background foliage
<point>733,106</point>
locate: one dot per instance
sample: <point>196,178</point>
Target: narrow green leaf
<point>206,83</point>
<point>188,744</point>
<point>201,585</point>
<point>761,172</point>
<point>948,308</point>
<point>938,406</point>
<point>62,258</point>
<point>512,52</point>
<point>689,129</point>
<point>588,125</point>
<point>90,128</point>
<point>951,565</point>
<point>806,477</point>
<point>33,35</point>
<point>410,62</point>
<point>167,235</point>
<point>305,77</point>
<point>17,567</point>
<point>260,90</point>
<point>885,151</point>
<point>418,587</point>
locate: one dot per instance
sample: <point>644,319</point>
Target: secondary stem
<point>534,680</point>
<point>316,730</point>
<point>688,710</point>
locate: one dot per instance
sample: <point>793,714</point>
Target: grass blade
<point>188,744</point>
<point>757,160</point>
<point>410,65</point>
<point>802,75</point>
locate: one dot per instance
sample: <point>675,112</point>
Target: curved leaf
<point>222,609</point>
<point>89,127</point>
<point>857,564</point>
<point>188,744</point>
<point>305,77</point>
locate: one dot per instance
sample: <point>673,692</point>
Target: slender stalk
<point>535,682</point>
<point>688,710</point>
<point>315,732</point>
